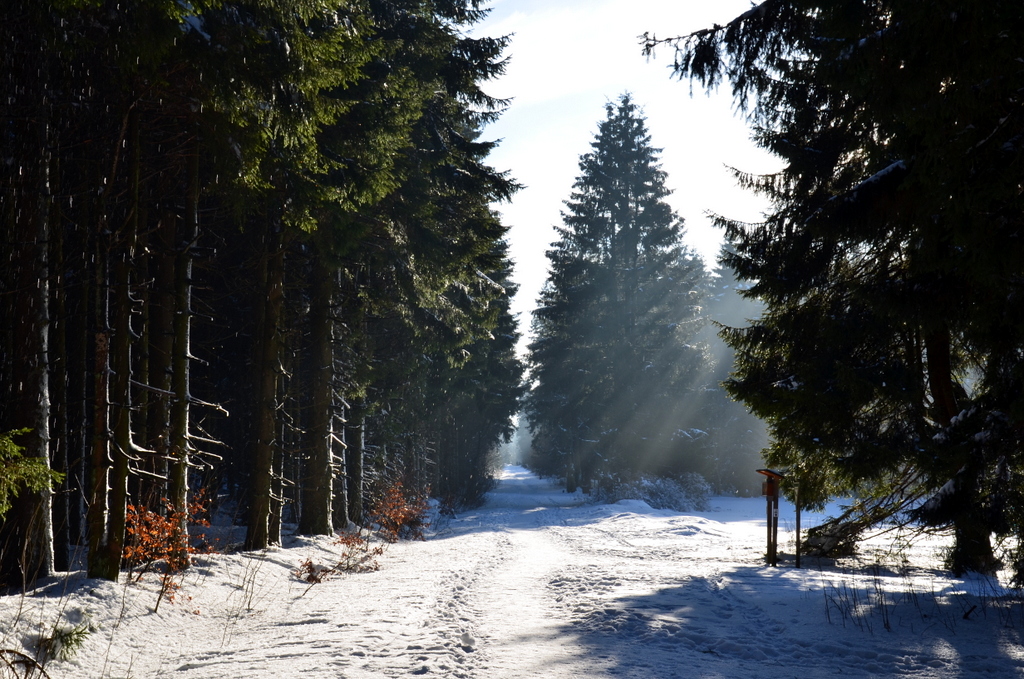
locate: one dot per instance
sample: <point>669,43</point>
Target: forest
<point>252,258</point>
<point>249,249</point>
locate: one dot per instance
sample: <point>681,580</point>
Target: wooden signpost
<point>770,491</point>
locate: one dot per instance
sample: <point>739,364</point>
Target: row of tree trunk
<point>193,308</point>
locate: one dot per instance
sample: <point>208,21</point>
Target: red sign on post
<point>770,490</point>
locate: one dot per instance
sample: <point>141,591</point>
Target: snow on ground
<point>537,583</point>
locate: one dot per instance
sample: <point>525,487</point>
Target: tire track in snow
<point>431,632</point>
<point>524,633</point>
<point>408,619</point>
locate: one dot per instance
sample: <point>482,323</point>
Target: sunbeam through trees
<point>616,360</point>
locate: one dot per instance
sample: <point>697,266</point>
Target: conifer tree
<point>613,358</point>
<point>891,261</point>
<point>416,273</point>
<point>26,549</point>
<point>160,158</point>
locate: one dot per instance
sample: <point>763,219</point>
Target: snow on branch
<point>892,172</point>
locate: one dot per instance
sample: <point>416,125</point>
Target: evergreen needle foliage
<point>18,472</point>
<point>248,245</point>
<point>889,359</point>
<point>616,355</point>
<point>64,642</point>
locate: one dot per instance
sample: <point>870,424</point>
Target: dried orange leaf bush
<point>401,513</point>
<point>356,557</point>
<point>154,538</point>
<point>398,513</point>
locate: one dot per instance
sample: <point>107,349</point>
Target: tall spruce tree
<point>415,295</point>
<point>614,355</point>
<point>891,263</point>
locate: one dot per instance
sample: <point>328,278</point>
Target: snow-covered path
<point>538,584</point>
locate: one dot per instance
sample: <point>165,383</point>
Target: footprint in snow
<point>467,642</point>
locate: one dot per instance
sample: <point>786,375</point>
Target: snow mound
<point>635,506</point>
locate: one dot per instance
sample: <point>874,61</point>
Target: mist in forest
<point>692,426</point>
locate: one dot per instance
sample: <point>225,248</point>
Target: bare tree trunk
<point>59,393</point>
<point>180,405</point>
<point>940,375</point>
<point>100,563</point>
<point>139,483</point>
<point>972,544</point>
<point>572,473</point>
<point>161,350</point>
<point>78,294</point>
<point>316,518</point>
<point>120,411</point>
<point>268,366</point>
<point>26,534</point>
<point>121,363</point>
<point>339,518</point>
<point>355,439</point>
<point>282,442</point>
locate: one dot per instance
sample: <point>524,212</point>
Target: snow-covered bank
<point>538,584</point>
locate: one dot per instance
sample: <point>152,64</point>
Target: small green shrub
<point>17,471</point>
<point>64,642</point>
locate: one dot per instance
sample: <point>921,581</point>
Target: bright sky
<point>570,57</point>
